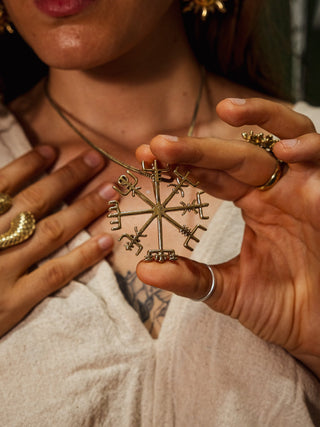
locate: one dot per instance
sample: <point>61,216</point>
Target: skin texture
<point>78,41</point>
<point>124,86</point>
<point>20,289</point>
<point>272,287</point>
<point>97,75</point>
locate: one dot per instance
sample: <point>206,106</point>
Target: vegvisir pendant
<point>128,184</point>
<point>158,210</point>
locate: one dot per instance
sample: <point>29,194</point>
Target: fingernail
<point>107,192</point>
<point>289,143</point>
<point>105,242</point>
<point>45,151</point>
<point>170,138</point>
<point>92,159</point>
<point>237,101</point>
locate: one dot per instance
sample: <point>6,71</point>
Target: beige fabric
<point>83,358</point>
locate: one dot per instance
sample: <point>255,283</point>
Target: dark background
<point>311,59</point>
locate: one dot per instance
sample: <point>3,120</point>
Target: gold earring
<point>205,6</point>
<point>5,24</point>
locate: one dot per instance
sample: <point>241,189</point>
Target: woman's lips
<point>61,8</point>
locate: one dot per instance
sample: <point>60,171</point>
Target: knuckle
<point>55,276</point>
<point>72,173</point>
<point>51,228</point>
<point>33,198</point>
<point>85,256</point>
<point>307,123</point>
<point>267,115</point>
<point>92,204</point>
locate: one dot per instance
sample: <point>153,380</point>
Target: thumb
<point>193,280</point>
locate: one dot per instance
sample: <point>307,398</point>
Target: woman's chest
<point>152,221</point>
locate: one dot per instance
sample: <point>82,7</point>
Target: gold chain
<point>142,171</point>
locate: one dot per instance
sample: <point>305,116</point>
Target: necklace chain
<point>142,171</point>
<point>158,210</point>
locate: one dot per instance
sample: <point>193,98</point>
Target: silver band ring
<point>212,287</point>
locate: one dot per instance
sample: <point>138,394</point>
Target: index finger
<point>243,161</point>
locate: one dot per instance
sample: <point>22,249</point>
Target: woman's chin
<point>69,61</point>
<point>75,52</point>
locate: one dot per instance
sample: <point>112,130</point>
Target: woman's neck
<point>151,89</point>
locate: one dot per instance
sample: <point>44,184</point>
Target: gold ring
<point>273,179</point>
<point>21,227</point>
<point>261,140</point>
<point>5,203</point>
<point>266,142</point>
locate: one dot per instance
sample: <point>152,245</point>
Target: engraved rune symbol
<point>158,210</point>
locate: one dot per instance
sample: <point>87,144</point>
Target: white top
<point>83,358</point>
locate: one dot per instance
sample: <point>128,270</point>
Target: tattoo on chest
<point>150,303</point>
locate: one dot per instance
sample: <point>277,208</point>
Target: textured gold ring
<point>266,142</point>
<point>5,203</point>
<point>21,227</point>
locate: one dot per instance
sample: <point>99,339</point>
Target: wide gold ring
<point>21,227</point>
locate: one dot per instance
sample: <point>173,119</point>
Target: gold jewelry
<point>5,203</point>
<point>274,177</point>
<point>21,227</point>
<point>266,142</point>
<point>5,24</point>
<point>205,6</point>
<point>157,209</point>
